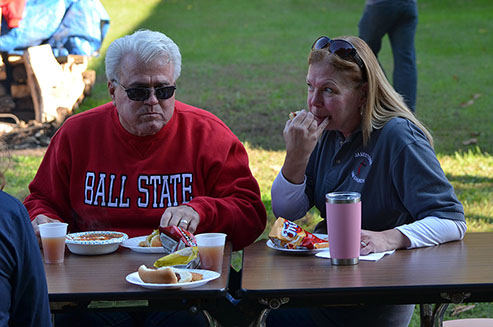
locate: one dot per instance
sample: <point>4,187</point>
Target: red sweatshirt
<point>97,176</point>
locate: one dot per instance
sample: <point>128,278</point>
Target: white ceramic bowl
<point>94,243</point>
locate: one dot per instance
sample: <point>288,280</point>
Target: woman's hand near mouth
<point>300,135</point>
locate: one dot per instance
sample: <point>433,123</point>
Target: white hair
<point>147,46</point>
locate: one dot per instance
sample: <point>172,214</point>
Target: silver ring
<point>185,221</point>
<point>363,243</point>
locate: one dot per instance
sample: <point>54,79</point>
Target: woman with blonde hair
<point>358,135</point>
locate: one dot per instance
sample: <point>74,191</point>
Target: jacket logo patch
<point>362,167</point>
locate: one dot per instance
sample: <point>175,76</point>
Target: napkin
<point>369,257</point>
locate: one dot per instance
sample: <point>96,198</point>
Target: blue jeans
<point>398,19</point>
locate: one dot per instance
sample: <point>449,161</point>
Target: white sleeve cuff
<point>431,231</point>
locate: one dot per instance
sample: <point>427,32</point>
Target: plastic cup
<point>53,240</point>
<point>344,227</point>
<point>211,250</point>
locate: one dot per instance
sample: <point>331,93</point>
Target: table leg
<point>272,304</point>
<point>263,317</point>
<point>439,312</point>
<point>426,315</point>
<point>432,316</point>
<point>261,320</point>
<point>210,320</point>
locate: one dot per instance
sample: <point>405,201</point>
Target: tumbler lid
<point>343,197</point>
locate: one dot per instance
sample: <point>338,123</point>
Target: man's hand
<point>390,239</point>
<point>184,216</point>
<point>39,220</point>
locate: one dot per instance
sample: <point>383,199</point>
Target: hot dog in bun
<point>164,275</point>
<point>167,275</point>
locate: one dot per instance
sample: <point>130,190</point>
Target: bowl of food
<point>94,243</point>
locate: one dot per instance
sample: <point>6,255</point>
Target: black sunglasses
<point>341,48</point>
<point>143,93</point>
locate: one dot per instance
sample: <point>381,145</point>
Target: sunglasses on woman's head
<point>342,48</point>
<point>143,93</point>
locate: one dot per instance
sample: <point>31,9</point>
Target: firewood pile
<point>38,92</point>
<point>29,135</point>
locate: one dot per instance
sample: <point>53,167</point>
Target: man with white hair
<point>146,160</point>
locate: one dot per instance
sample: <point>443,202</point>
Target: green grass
<point>19,172</point>
<point>245,61</point>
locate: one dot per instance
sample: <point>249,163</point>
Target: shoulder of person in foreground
<point>22,282</point>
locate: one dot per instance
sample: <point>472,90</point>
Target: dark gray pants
<point>344,316</point>
<point>398,19</point>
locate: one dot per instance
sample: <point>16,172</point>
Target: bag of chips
<point>174,238</point>
<point>288,235</point>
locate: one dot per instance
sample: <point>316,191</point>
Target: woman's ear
<point>364,93</point>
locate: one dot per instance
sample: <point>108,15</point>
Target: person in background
<point>145,159</point>
<point>398,19</point>
<point>358,135</point>
<point>22,277</point>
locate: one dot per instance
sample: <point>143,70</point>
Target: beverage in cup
<point>344,226</point>
<point>211,250</point>
<point>53,241</point>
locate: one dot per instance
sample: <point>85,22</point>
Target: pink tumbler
<point>344,226</point>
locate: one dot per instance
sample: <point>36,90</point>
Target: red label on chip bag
<point>174,238</point>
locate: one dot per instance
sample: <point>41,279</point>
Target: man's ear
<point>111,91</point>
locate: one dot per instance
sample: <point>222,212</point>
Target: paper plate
<point>133,244</point>
<point>208,275</point>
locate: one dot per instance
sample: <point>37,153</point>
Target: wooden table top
<point>102,277</point>
<point>424,275</point>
